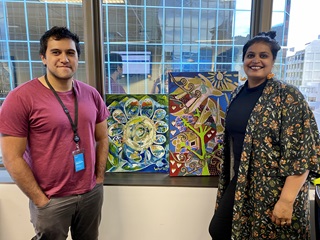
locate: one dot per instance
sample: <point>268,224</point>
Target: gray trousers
<point>82,213</point>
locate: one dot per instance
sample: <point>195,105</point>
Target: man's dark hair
<point>58,33</point>
<point>115,60</point>
<point>264,37</point>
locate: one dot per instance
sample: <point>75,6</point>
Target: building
<point>294,68</point>
<point>303,71</point>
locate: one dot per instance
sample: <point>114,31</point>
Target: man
<point>55,145</point>
<point>116,70</point>
<point>158,86</point>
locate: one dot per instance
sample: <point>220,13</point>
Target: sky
<point>304,25</point>
<point>304,22</point>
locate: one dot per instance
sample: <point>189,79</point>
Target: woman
<point>272,150</point>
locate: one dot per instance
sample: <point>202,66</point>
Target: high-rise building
<point>303,71</point>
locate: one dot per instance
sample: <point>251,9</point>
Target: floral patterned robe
<point>281,139</point>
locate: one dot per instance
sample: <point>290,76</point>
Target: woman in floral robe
<point>280,155</point>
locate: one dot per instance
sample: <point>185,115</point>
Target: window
<point>19,38</point>
<point>179,35</point>
<point>303,44</point>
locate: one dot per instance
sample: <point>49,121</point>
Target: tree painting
<point>197,108</point>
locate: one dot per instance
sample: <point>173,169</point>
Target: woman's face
<point>258,62</point>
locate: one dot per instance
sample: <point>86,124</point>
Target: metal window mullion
<point>214,67</point>
<point>28,39</point>
<point>67,14</point>
<point>108,47</point>
<point>8,48</point>
<point>199,35</point>
<point>127,45</point>
<point>163,57</point>
<point>181,33</point>
<point>47,15</point>
<point>233,62</point>
<point>145,44</point>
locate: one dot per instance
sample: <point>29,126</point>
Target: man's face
<point>61,58</point>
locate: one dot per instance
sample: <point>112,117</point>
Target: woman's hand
<point>283,209</point>
<point>282,213</point>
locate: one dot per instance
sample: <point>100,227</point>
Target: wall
<point>135,213</point>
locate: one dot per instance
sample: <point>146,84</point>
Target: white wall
<point>129,213</point>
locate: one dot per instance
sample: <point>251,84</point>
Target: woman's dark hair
<point>264,37</point>
<point>58,33</point>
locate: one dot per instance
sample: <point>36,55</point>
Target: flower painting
<point>138,133</point>
<point>197,107</point>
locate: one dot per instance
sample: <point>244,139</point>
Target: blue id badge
<point>78,158</point>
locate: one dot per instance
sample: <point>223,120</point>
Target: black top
<point>238,116</point>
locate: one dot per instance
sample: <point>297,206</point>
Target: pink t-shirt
<point>31,110</point>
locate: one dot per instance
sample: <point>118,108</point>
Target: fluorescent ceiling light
<point>80,1</point>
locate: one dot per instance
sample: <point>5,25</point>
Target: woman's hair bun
<point>270,34</point>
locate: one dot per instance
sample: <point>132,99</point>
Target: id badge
<point>78,158</point>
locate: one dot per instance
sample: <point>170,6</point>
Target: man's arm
<point>13,149</point>
<point>155,86</point>
<point>102,148</point>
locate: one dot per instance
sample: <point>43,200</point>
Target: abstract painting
<point>138,133</point>
<point>197,106</point>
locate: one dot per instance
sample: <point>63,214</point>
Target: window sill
<point>159,179</point>
<point>144,179</point>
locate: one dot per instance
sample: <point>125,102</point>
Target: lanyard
<point>74,124</point>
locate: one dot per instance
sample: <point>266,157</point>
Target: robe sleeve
<point>299,136</point>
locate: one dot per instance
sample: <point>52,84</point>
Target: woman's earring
<point>270,76</point>
<point>244,78</point>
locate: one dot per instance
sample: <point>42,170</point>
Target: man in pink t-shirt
<point>54,143</point>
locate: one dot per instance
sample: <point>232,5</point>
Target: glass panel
<point>190,26</point>
<point>206,27</point>
<point>16,22</point>
<point>191,3</point>
<point>6,73</point>
<point>300,61</point>
<point>279,5</point>
<point>38,69</point>
<point>179,35</point>
<point>19,50</point>
<point>20,33</point>
<point>36,22</point>
<point>243,5</point>
<point>241,27</point>
<point>55,11</point>
<point>209,3</point>
<point>22,71</point>
<point>171,26</point>
<point>152,2</point>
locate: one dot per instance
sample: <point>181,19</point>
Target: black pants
<point>221,222</point>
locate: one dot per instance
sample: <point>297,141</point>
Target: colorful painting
<point>138,133</point>
<point>197,106</point>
